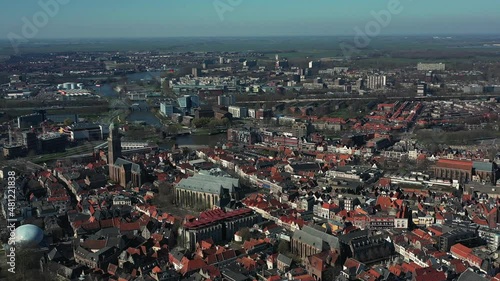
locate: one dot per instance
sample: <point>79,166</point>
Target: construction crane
<point>10,135</point>
<point>14,133</point>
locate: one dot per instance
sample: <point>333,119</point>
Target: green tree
<point>213,123</point>
<point>201,122</point>
<point>174,129</point>
<point>226,122</point>
<point>68,122</point>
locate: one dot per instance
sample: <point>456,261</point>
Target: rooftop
<point>208,184</point>
<point>213,216</point>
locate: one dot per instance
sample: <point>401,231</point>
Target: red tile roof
<point>465,253</point>
<point>459,265</point>
<point>131,226</point>
<point>384,202</point>
<point>454,164</point>
<point>429,274</point>
<point>210,217</point>
<point>191,265</point>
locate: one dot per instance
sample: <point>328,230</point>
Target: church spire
<point>114,144</point>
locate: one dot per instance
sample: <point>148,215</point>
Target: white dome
<point>28,235</point>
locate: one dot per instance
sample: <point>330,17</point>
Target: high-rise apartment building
<point>375,82</point>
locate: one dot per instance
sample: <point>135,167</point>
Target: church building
<point>121,170</point>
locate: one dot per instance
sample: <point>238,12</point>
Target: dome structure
<point>28,235</point>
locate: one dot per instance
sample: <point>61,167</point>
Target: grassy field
<point>311,46</point>
<point>345,113</point>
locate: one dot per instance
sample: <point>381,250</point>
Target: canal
<point>197,140</point>
<point>141,113</point>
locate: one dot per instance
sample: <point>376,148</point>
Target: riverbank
<point>207,132</point>
<point>163,120</point>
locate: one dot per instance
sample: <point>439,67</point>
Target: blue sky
<point>166,18</point>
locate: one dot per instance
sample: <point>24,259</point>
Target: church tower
<point>114,144</point>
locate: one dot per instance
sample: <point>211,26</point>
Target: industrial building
<point>226,100</point>
<point>62,118</point>
<point>13,151</point>
<point>85,131</point>
<point>431,66</point>
<point>52,142</point>
<point>31,120</point>
<point>203,112</point>
<point>30,141</point>
<point>70,86</point>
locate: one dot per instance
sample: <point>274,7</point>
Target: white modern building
<point>431,66</point>
<point>238,112</point>
<point>70,86</point>
<point>166,109</point>
<point>375,82</point>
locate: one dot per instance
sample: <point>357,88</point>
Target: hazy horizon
<point>443,36</point>
<point>248,18</point>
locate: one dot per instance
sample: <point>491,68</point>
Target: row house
<point>464,253</point>
<point>291,222</point>
<point>325,210</point>
<point>411,254</point>
<point>423,220</point>
<point>59,197</point>
<point>387,222</point>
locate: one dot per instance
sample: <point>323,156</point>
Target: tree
<point>27,265</point>
<point>186,151</point>
<point>68,122</point>
<point>166,195</point>
<point>492,153</point>
<point>331,272</point>
<point>201,122</point>
<point>226,122</point>
<point>283,247</point>
<point>173,129</point>
<point>245,233</point>
<point>214,123</point>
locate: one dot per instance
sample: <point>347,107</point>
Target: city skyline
<point>196,18</point>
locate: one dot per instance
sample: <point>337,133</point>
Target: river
<point>197,140</point>
<point>105,90</point>
<point>145,115</point>
<point>141,113</point>
<point>144,76</point>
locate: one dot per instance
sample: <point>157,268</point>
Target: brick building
<point>205,191</point>
<point>466,171</point>
<point>217,225</point>
<point>454,169</point>
<point>310,241</point>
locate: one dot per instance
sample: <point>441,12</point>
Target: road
<point>24,164</point>
<point>348,97</point>
<point>49,108</point>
